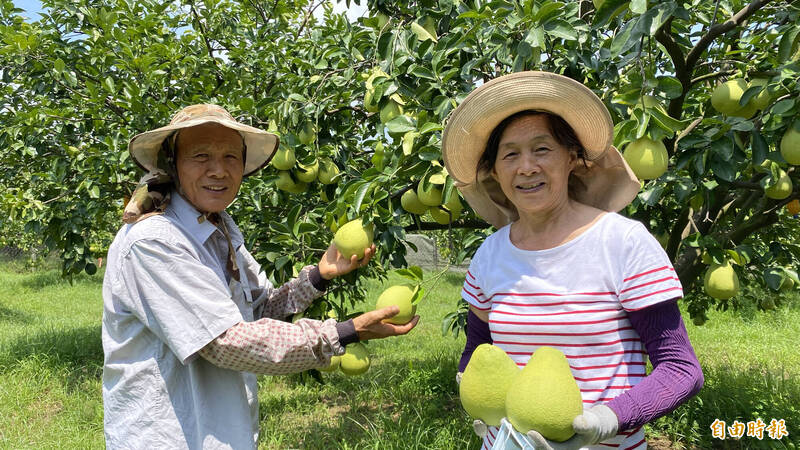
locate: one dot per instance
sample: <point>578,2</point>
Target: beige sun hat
<point>605,182</point>
<point>260,144</point>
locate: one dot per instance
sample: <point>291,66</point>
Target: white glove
<point>592,427</point>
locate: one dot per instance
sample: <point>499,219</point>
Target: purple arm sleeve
<point>477,334</point>
<point>676,374</point>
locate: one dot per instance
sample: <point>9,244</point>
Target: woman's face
<point>531,167</point>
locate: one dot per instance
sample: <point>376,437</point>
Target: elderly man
<point>189,318</point>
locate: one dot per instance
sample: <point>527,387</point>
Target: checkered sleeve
<point>273,347</point>
<point>279,303</point>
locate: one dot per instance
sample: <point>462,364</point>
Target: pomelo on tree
<point>721,281</point>
<point>327,171</point>
<point>763,99</point>
<point>448,212</point>
<point>400,295</point>
<point>353,238</point>
<point>308,133</point>
<point>725,97</point>
<point>790,146</point>
<point>307,172</point>
<point>283,159</point>
<point>355,360</point>
<point>391,110</point>
<point>432,194</point>
<point>781,189</point>
<point>410,202</point>
<point>285,183</point>
<point>648,158</point>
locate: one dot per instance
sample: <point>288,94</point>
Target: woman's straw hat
<point>605,182</point>
<point>260,144</point>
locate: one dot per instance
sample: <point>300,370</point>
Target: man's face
<point>210,165</point>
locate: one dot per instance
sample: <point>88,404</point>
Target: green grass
<point>51,363</point>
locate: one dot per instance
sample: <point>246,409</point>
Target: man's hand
<point>592,427</point>
<point>370,326</point>
<point>334,264</point>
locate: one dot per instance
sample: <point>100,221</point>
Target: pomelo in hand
<point>721,281</point>
<point>647,158</point>
<point>335,361</point>
<point>400,295</point>
<point>353,238</point>
<point>545,396</point>
<point>355,360</point>
<point>485,383</point>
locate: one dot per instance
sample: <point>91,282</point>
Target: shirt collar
<point>187,216</point>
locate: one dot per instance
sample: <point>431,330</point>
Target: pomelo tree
<point>364,103</point>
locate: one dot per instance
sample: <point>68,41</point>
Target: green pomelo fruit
<point>448,212</point>
<point>355,360</point>
<point>285,183</point>
<point>327,171</point>
<point>410,202</point>
<point>369,101</point>
<point>353,238</point>
<point>400,295</point>
<point>307,134</point>
<point>790,146</point>
<point>763,99</point>
<point>721,281</point>
<point>746,111</point>
<point>390,111</point>
<point>725,97</point>
<point>545,397</point>
<point>647,158</point>
<point>283,159</point>
<point>485,383</point>
<point>431,196</point>
<point>335,361</point>
<point>781,189</point>
<point>307,172</point>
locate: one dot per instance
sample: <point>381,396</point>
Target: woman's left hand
<point>334,264</point>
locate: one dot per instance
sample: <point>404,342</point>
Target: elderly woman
<point>531,152</point>
<point>189,318</point>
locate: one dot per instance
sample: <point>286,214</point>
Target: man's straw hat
<point>260,144</point>
<point>606,182</point>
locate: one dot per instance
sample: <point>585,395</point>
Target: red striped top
<point>574,297</point>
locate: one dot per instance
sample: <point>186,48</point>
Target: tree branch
<point>208,44</point>
<point>470,224</point>
<point>722,28</point>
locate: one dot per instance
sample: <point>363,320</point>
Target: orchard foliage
<point>371,97</point>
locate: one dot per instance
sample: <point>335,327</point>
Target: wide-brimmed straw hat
<point>605,181</point>
<point>260,144</point>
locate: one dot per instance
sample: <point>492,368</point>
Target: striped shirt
<point>574,297</point>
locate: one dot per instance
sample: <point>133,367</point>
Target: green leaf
<point>546,11</point>
<point>606,11</point>
<point>108,85</point>
<point>670,86</point>
<point>359,197</point>
<point>408,142</point>
<point>561,29</point>
<point>430,127</point>
<point>787,43</point>
<point>638,6</point>
<point>760,147</point>
<point>401,124</point>
<point>782,106</point>
<point>421,33</point>
<point>59,65</point>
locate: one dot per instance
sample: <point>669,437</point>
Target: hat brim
<point>469,126</point>
<point>261,145</point>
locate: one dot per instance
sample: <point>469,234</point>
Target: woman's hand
<point>334,264</point>
<point>371,326</point>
